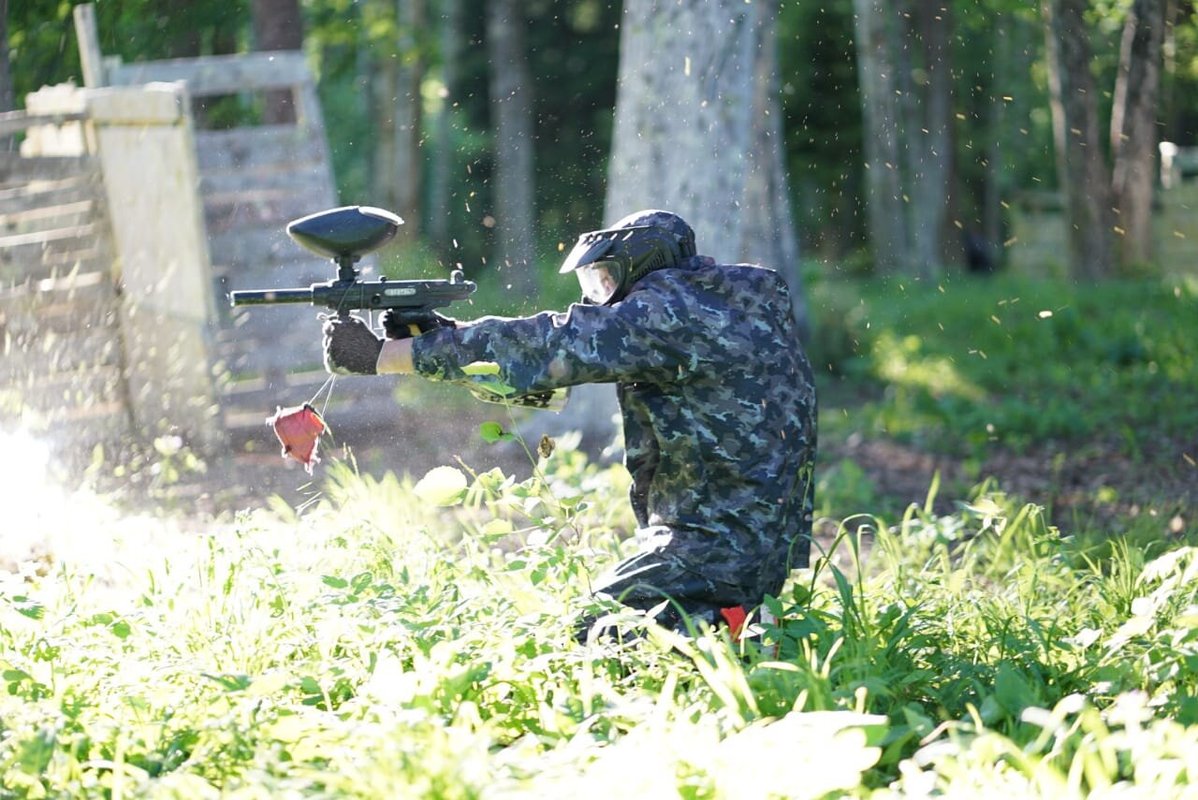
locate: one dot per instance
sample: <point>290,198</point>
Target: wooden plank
<point>15,168</point>
<point>313,181</point>
<point>72,214</point>
<point>27,316</point>
<point>254,147</point>
<point>60,352</point>
<point>59,288</point>
<point>48,236</point>
<point>248,248</point>
<point>65,390</point>
<point>88,37</point>
<point>227,74</point>
<point>256,213</point>
<point>292,273</point>
<point>18,121</point>
<point>36,260</point>
<point>30,194</point>
<point>94,258</point>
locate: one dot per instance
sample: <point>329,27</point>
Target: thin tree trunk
<point>683,115</point>
<point>7,95</point>
<point>442,168</point>
<point>885,212</point>
<point>1081,167</point>
<point>511,105</point>
<point>384,83</point>
<point>7,98</point>
<point>1007,31</point>
<point>278,26</point>
<point>769,234</point>
<point>408,178</point>
<point>1134,133</point>
<point>927,134</point>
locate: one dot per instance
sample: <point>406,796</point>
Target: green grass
<point>969,363</point>
<point>400,638</point>
<point>416,640</point>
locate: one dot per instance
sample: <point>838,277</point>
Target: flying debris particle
<point>1045,314</point>
<point>686,66</point>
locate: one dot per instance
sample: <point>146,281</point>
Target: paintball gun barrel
<point>345,235</point>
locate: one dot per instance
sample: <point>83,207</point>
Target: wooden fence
<point>62,374</point>
<point>254,179</point>
<point>116,252</point>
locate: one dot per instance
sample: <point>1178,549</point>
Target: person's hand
<point>397,327</point>
<point>350,347</point>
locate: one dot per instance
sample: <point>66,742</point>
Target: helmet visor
<point>590,247</point>
<point>600,280</point>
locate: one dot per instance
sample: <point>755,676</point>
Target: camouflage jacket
<point>718,407</point>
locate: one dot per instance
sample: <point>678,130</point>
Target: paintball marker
<point>345,235</point>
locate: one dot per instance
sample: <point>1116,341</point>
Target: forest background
<point>430,108</point>
<point>890,147</point>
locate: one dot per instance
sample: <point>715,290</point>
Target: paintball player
<point>715,391</point>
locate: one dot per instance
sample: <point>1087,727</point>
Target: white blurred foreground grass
<point>403,639</point>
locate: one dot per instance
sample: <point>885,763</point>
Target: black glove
<point>350,347</point>
<point>399,325</point>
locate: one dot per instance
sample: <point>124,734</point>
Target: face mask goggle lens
<point>600,280</point>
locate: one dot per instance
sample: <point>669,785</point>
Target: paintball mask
<point>609,261</point>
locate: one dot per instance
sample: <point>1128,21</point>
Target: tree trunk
<point>683,115</point>
<point>927,133</point>
<point>876,69</point>
<point>1081,167</point>
<point>1134,134</point>
<point>7,98</point>
<point>683,135</point>
<point>7,95</point>
<point>511,104</point>
<point>442,167</point>
<point>278,26</point>
<point>769,232</point>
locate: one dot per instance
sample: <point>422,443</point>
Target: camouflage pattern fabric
<point>719,417</point>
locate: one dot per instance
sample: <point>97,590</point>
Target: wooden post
<point>89,46</point>
<point>145,144</point>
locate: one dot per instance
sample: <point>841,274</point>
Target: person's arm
<point>647,337</point>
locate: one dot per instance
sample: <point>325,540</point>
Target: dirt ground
<point>1094,482</point>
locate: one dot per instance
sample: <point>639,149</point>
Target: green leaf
<point>231,683</point>
<point>31,610</point>
<point>120,629</point>
<point>492,432</point>
<point>481,368</point>
<point>335,582</point>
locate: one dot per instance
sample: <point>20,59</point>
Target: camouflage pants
<point>699,573</point>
